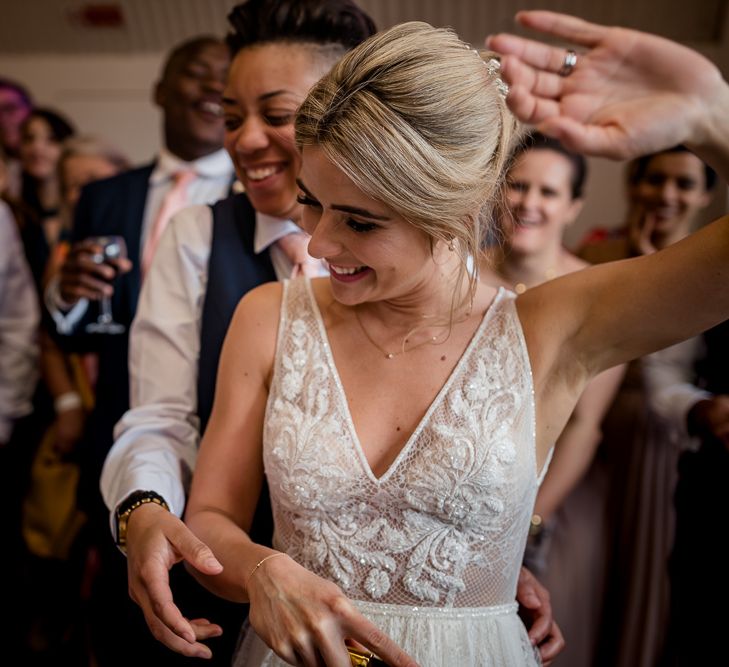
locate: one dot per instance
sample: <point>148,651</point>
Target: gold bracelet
<point>261,562</point>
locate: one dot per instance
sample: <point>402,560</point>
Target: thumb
<point>195,552</point>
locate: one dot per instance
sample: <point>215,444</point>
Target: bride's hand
<point>629,94</point>
<point>306,619</point>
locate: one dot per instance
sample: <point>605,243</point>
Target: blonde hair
<point>416,119</point>
<point>91,146</point>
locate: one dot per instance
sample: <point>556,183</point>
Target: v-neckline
<point>357,445</point>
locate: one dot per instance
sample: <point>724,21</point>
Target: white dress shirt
<point>19,316</point>
<point>214,174</point>
<point>669,374</point>
<point>156,441</point>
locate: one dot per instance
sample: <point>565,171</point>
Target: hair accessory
<point>494,67</point>
<point>570,60</point>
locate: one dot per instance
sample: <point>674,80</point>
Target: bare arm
<point>305,619</point>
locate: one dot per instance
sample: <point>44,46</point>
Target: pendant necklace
<point>385,353</point>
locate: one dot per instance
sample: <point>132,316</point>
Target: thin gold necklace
<point>392,355</point>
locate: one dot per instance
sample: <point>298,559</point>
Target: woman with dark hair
<point>641,444</point>
<point>566,547</point>
<point>42,134</point>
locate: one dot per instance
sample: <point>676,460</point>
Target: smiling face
<point>189,96</point>
<point>672,191</point>
<point>39,151</point>
<point>373,254</point>
<point>539,196</point>
<point>266,85</point>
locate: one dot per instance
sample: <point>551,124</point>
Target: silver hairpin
<point>494,68</point>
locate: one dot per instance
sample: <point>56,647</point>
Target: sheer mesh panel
<point>446,525</point>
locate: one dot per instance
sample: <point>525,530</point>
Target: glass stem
<point>105,315</point>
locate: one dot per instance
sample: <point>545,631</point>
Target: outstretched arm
<point>629,94</point>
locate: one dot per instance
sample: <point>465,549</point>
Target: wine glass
<point>113,247</point>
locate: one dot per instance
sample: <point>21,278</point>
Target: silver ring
<point>570,60</point>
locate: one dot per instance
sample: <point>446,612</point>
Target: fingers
<point>608,141</point>
<point>203,629</point>
<point>85,274</point>
<point>553,646</point>
<point>568,28</point>
<point>369,635</point>
<point>535,54</point>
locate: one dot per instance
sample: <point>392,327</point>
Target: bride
<point>402,410</point>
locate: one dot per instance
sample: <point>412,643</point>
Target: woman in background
<point>42,134</point>
<point>641,445</point>
<point>566,547</point>
<point>61,565</point>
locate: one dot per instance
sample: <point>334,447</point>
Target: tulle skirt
<point>454,637</point>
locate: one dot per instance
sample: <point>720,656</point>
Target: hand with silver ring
<point>570,60</point>
<point>631,94</point>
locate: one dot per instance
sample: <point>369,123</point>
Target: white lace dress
<point>431,550</point>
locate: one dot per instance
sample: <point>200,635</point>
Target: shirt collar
<point>214,165</point>
<point>270,229</point>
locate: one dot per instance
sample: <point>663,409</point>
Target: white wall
<point>110,96</point>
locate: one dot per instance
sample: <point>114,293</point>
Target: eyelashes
<point>354,225</point>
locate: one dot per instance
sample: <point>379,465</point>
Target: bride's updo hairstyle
<point>416,118</point>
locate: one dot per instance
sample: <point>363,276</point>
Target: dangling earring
<point>452,245</point>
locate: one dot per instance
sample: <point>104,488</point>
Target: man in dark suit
<point>191,168</point>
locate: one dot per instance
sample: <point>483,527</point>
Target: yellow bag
<point>51,519</point>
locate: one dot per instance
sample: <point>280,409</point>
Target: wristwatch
<point>127,506</point>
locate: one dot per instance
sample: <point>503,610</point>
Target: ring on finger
<point>570,60</point>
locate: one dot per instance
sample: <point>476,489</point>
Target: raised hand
<point>157,540</point>
<point>630,93</point>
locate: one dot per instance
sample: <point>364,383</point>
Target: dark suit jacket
<point>110,206</point>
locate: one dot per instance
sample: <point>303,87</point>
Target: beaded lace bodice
<point>446,524</point>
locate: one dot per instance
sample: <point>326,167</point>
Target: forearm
<point>232,547</point>
<point>53,367</point>
<point>157,439</point>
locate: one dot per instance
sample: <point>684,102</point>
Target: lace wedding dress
<point>431,550</point>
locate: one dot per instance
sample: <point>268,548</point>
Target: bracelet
<point>261,562</point>
<point>67,401</point>
<point>124,510</point>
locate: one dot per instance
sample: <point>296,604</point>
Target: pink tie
<point>295,246</point>
<point>174,200</point>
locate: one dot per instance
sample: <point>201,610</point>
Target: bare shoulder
<point>261,303</point>
<point>254,327</point>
